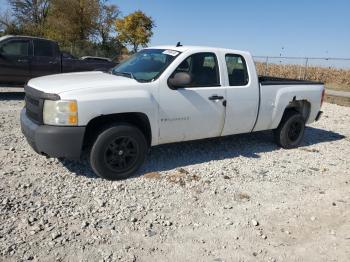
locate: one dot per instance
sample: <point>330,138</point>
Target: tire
<point>118,152</point>
<point>290,131</point>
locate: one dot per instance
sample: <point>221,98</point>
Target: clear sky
<point>303,27</point>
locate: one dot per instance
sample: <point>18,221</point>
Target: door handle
<point>53,62</point>
<point>22,60</point>
<point>215,97</point>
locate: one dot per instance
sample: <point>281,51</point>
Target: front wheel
<point>290,131</point>
<point>118,152</point>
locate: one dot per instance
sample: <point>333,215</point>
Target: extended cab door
<point>195,111</point>
<point>242,94</point>
<point>14,61</point>
<point>46,59</point>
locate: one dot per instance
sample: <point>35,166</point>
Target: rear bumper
<point>318,116</point>
<point>53,141</point>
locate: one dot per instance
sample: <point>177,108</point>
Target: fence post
<point>267,66</point>
<point>306,65</point>
<point>300,72</point>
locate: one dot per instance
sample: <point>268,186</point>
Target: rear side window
<point>43,48</point>
<point>15,48</point>
<point>237,70</point>
<point>203,68</point>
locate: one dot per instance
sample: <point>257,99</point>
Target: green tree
<point>108,13</point>
<point>72,21</point>
<point>135,30</point>
<point>30,15</point>
<point>108,45</point>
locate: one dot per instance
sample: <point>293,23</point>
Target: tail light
<point>322,98</point>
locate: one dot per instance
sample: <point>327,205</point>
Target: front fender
<point>98,104</point>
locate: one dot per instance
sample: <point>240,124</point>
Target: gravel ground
<point>238,198</point>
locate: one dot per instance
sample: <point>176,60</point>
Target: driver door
<point>197,110</point>
<point>14,61</point>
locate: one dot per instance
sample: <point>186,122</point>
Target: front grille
<point>32,100</point>
<point>34,108</point>
<point>35,103</point>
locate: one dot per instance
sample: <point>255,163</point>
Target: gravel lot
<point>238,198</point>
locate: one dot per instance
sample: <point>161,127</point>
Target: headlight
<point>61,112</point>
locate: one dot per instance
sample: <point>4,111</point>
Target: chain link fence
<point>334,72</point>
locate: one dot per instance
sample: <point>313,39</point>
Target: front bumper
<point>53,141</point>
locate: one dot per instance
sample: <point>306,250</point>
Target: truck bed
<point>275,95</point>
<point>270,80</point>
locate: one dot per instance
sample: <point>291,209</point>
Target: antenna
<point>178,44</point>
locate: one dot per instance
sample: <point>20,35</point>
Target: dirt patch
<point>152,175</point>
<point>242,196</point>
<point>341,101</point>
<point>181,177</point>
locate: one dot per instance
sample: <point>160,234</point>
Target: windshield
<point>146,65</point>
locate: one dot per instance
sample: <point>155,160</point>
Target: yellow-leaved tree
<point>135,30</point>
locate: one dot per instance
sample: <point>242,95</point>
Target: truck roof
<point>194,48</point>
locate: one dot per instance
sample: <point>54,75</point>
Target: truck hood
<point>60,83</point>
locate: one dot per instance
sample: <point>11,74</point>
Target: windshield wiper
<point>126,74</point>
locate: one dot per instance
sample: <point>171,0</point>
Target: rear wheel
<point>290,131</point>
<point>118,152</point>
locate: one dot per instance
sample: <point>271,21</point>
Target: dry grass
<point>337,79</point>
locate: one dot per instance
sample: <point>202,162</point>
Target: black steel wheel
<point>118,152</point>
<point>121,153</point>
<point>295,130</point>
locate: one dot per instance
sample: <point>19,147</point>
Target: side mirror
<point>180,79</point>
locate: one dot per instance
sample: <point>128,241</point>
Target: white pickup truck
<point>162,95</point>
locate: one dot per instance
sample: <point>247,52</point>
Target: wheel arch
<point>301,106</point>
<point>97,124</point>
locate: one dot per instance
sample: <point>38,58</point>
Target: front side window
<point>203,69</point>
<point>237,70</point>
<point>146,65</point>
<point>15,48</point>
<point>43,48</point>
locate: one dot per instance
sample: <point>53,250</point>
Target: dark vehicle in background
<point>23,58</point>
